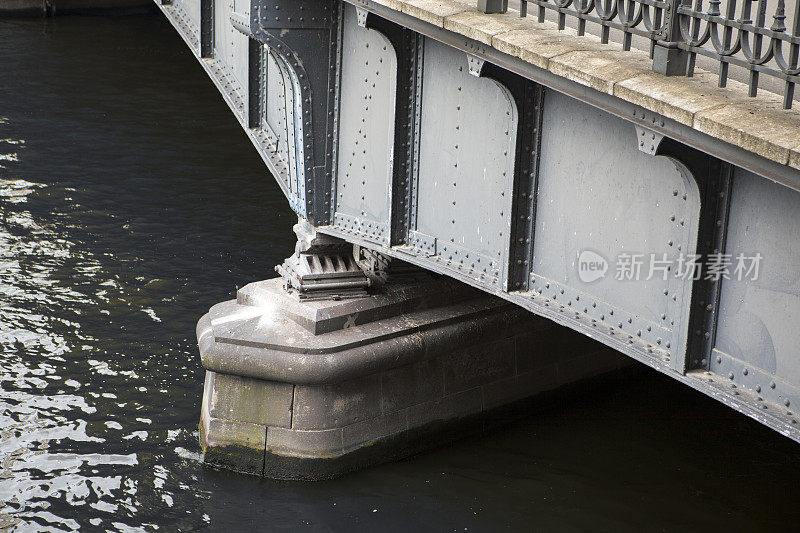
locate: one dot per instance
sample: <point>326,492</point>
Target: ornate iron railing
<point>750,34</point>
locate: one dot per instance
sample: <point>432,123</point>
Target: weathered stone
<point>368,432</point>
<point>337,404</point>
<point>249,400</point>
<point>397,5</point>
<point>450,407</point>
<point>432,11</point>
<point>760,126</point>
<point>794,157</point>
<point>475,365</point>
<point>539,46</point>
<point>398,385</point>
<point>313,443</point>
<point>478,26</point>
<point>600,70</point>
<point>678,98</point>
<point>412,384</point>
<point>504,391</point>
<point>235,445</point>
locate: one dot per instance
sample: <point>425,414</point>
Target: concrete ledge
<point>758,125</point>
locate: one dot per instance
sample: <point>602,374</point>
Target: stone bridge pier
<point>334,367</point>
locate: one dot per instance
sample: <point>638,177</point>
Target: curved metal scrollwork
<point>733,32</point>
<point>748,41</point>
<point>644,18</point>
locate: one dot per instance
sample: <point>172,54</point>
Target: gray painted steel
<point>462,202</point>
<point>449,151</point>
<point>280,120</point>
<point>611,199</point>
<point>231,47</point>
<point>756,337</point>
<point>366,132</point>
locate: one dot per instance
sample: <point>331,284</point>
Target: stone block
<point>450,407</point>
<point>502,392</point>
<point>324,443</point>
<point>311,406</point>
<point>411,384</point>
<point>336,404</point>
<point>432,11</point>
<point>234,445</point>
<point>600,70</point>
<point>255,401</point>
<point>368,432</point>
<point>678,98</point>
<point>758,126</point>
<point>538,47</point>
<point>397,5</point>
<point>470,367</point>
<point>478,26</point>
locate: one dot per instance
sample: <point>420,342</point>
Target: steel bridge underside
<point>427,146</point>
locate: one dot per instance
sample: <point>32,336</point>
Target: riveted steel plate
<point>602,203</point>
<point>366,131</point>
<point>466,164</point>
<point>281,124</point>
<point>231,49</point>
<point>191,9</point>
<point>185,14</point>
<point>757,336</point>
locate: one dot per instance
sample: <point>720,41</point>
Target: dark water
<point>130,202</point>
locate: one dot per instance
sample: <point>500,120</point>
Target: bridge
<point>476,182</point>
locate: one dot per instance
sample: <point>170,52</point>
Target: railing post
<point>668,58</point>
<point>493,6</point>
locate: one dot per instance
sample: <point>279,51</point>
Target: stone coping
<point>759,125</point>
<point>267,343</point>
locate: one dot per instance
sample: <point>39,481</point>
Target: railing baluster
<point>493,6</point>
<point>794,55</point>
<point>668,58</point>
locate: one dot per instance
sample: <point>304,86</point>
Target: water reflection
<point>130,202</point>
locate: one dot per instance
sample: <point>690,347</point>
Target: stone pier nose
<point>299,389</point>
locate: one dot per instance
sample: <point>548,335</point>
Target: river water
<point>130,202</point>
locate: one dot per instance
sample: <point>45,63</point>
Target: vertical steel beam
<point>206,28</point>
<point>306,36</point>
<point>407,45</point>
<point>254,83</point>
